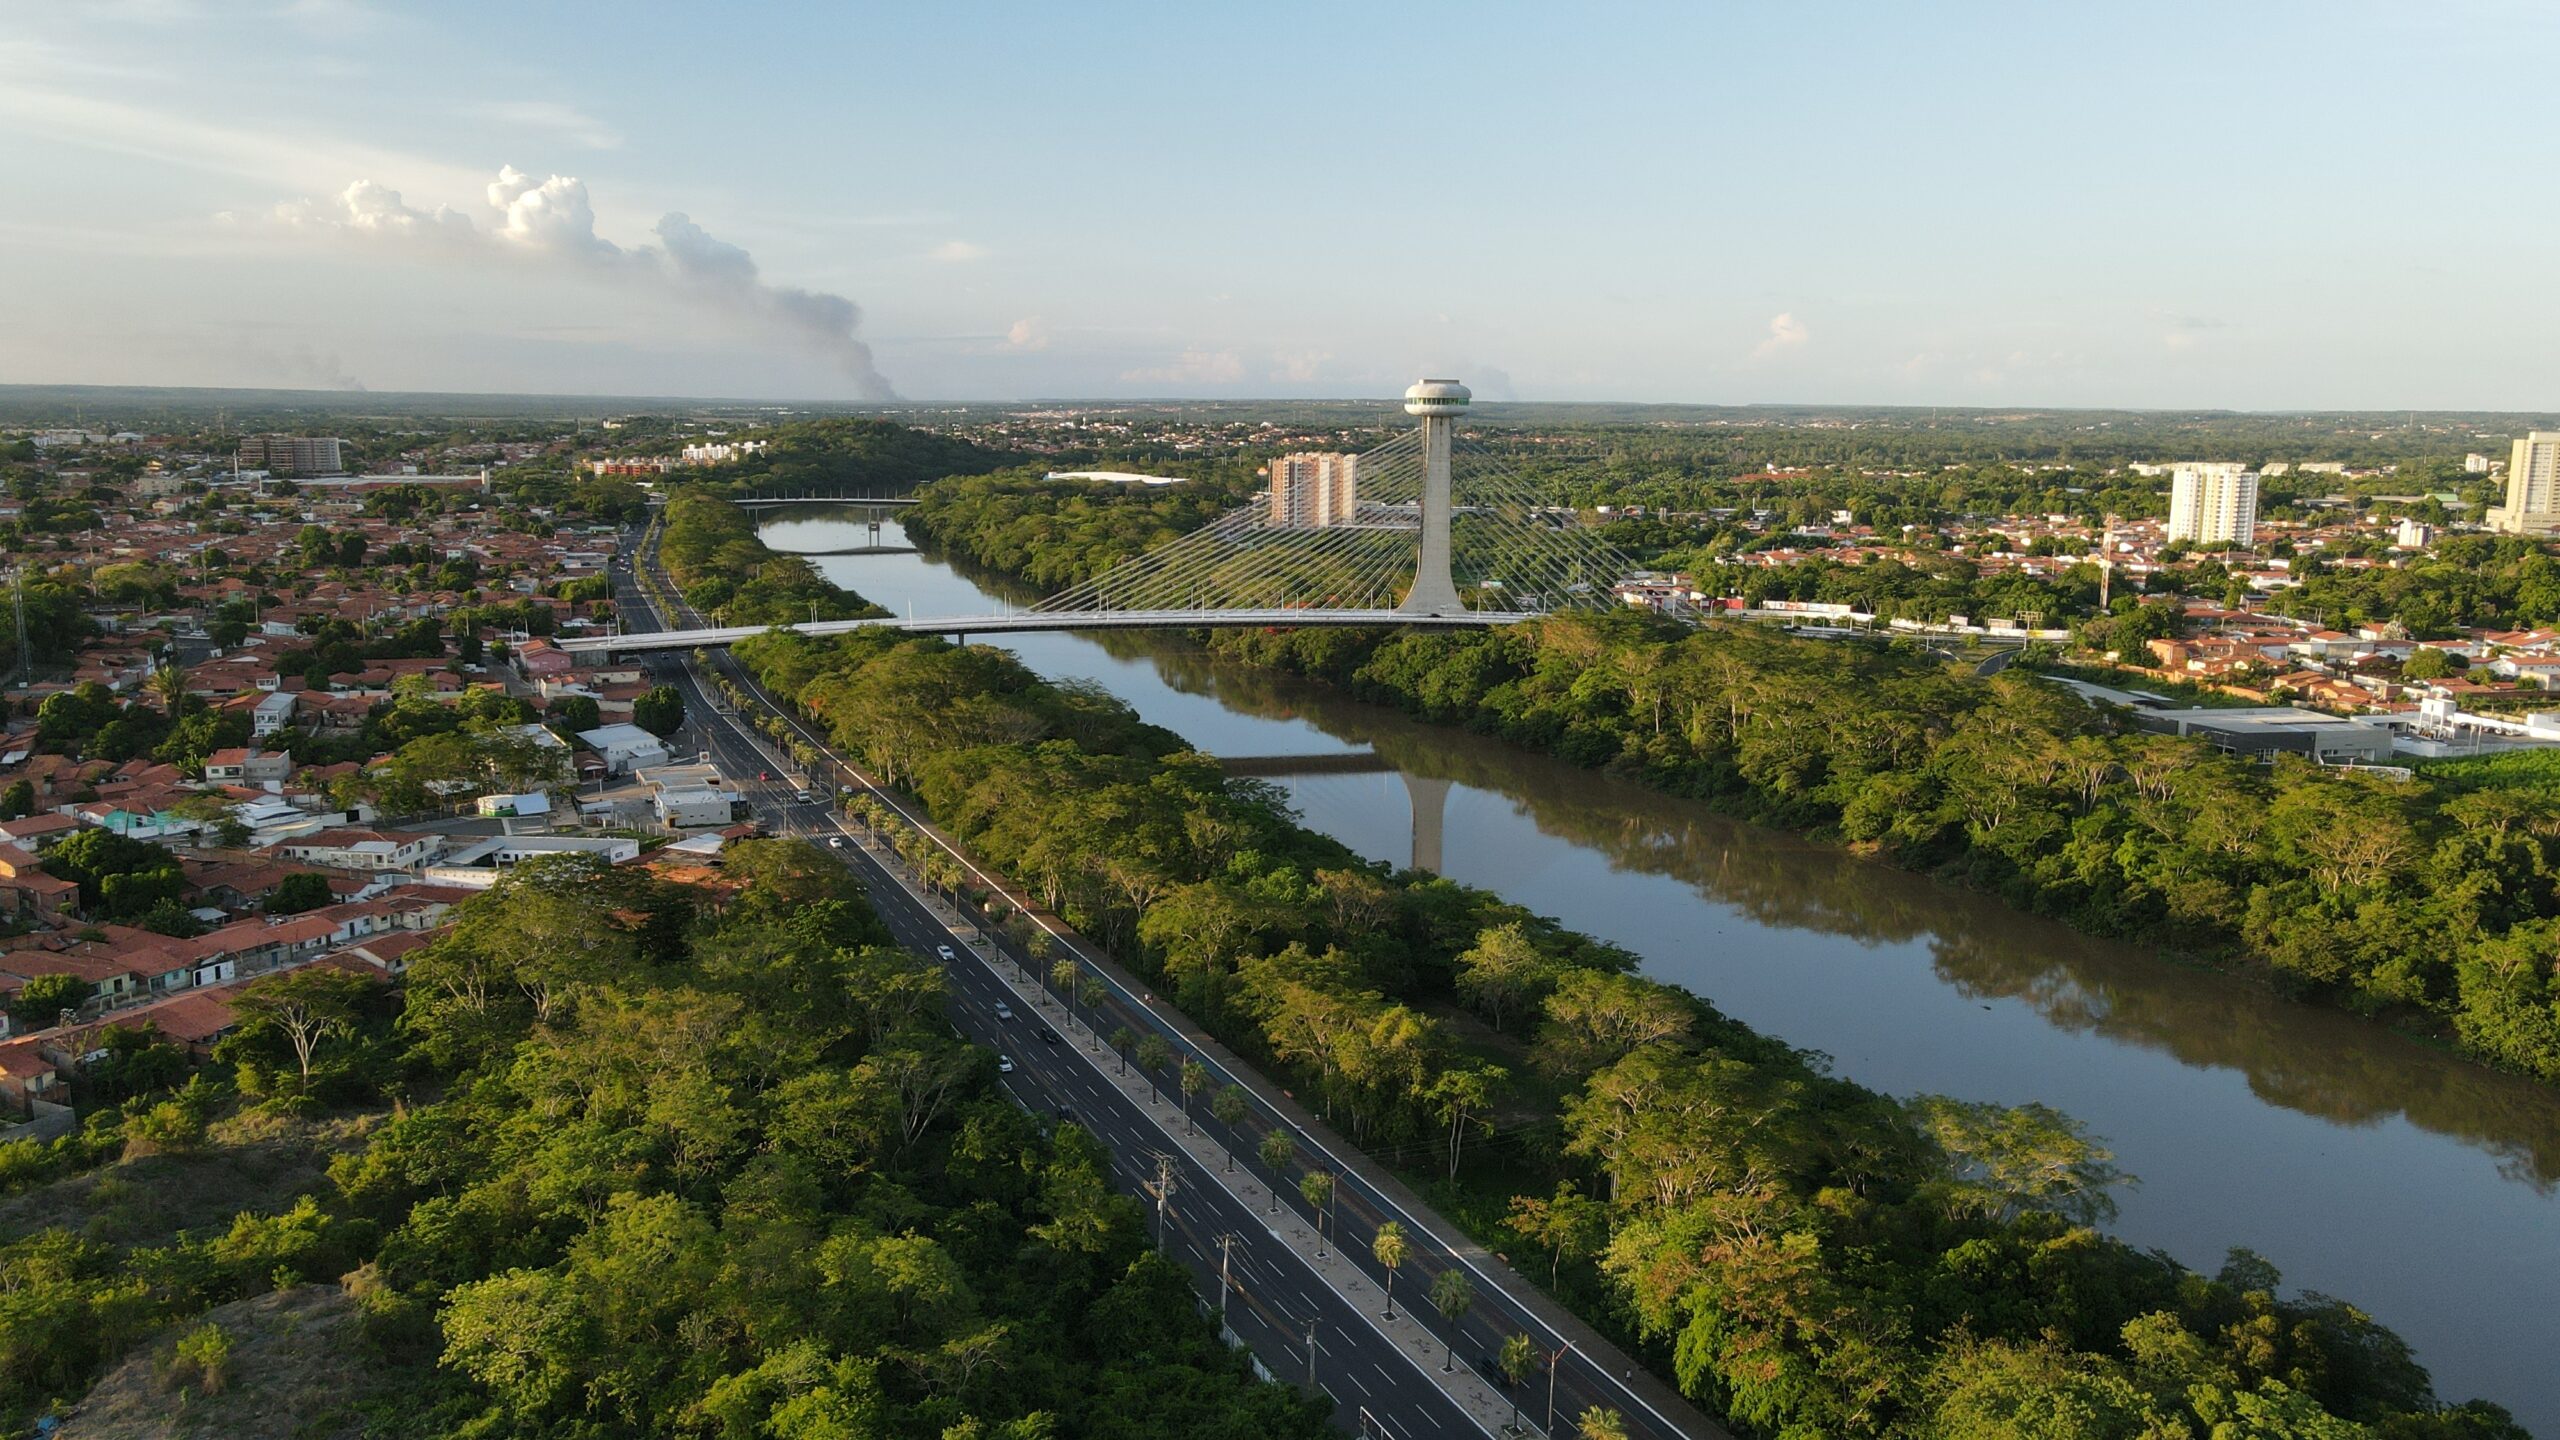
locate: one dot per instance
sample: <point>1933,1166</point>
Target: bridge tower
<point>1438,403</point>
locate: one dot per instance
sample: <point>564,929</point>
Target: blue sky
<point>2254,205</point>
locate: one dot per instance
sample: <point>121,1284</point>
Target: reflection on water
<point>2364,1163</point>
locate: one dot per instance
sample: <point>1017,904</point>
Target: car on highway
<point>835,842</point>
<point>808,797</point>
<point>1003,1011</point>
<point>944,951</point>
<point>1049,1035</point>
<point>1067,1113</point>
<point>764,774</point>
<point>1004,1064</point>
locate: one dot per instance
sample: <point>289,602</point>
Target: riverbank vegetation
<point>711,551</point>
<point>2417,898</point>
<point>1799,1253</point>
<point>2436,903</point>
<point>633,1158</point>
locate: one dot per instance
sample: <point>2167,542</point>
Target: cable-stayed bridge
<point>1419,531</point>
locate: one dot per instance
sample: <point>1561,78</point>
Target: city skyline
<point>1985,205</point>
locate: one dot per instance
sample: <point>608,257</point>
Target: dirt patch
<point>258,1163</point>
<point>295,1369</point>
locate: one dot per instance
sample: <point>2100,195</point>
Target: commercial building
<point>2213,504</point>
<point>1312,489</point>
<point>2278,730</point>
<point>293,454</point>
<point>690,795</point>
<point>624,748</point>
<point>2533,487</point>
<point>479,866</point>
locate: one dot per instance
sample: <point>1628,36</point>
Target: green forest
<point>1799,1253</point>
<point>621,1157</point>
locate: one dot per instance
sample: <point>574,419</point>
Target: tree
<point>1063,974</point>
<point>1504,970</point>
<point>1390,1248</point>
<point>1278,1148</point>
<point>1601,1423</point>
<point>1122,1037</point>
<point>1194,1079</point>
<point>576,713</point>
<point>659,710</point>
<point>1316,1188</point>
<point>1230,1106</point>
<point>40,1002</point>
<point>2001,1160</point>
<point>1570,1223</point>
<point>302,890</point>
<point>1452,1293</point>
<point>301,1007</point>
<point>1461,1098</point>
<point>1153,1055</point>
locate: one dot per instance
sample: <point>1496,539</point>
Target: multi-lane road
<point>1386,1378</point>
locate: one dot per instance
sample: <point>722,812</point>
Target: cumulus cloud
<point>1192,367</point>
<point>1027,333</point>
<point>1786,332</point>
<point>552,222</point>
<point>959,252</point>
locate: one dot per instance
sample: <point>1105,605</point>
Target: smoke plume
<point>552,222</point>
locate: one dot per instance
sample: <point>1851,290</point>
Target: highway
<point>1387,1379</point>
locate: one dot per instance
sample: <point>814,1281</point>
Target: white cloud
<point>552,117</point>
<point>1299,366</point>
<point>1192,367</point>
<point>958,252</point>
<point>552,222</point>
<point>1027,333</point>
<point>1786,332</point>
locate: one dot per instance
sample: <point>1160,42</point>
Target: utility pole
<point>1311,1354</point>
<point>1165,1183</point>
<point>1226,1248</point>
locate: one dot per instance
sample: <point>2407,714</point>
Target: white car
<point>945,952</point>
<point>1003,1011</point>
<point>1004,1064</point>
<point>835,842</point>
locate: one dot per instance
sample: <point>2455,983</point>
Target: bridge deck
<point>1033,621</point>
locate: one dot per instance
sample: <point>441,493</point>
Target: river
<point>2362,1163</point>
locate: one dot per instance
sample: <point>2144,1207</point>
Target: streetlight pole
<point>1555,1362</point>
<point>1226,1247</point>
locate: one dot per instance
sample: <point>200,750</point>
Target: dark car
<point>1049,1035</point>
<point>1067,1113</point>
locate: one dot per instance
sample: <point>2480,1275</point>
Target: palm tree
<point>1278,1149</point>
<point>1121,1040</point>
<point>168,685</point>
<point>1390,1248</point>
<point>1601,1423</point>
<point>1153,1055</point>
<point>1451,1294</point>
<point>1230,1107</point>
<point>1316,1188</point>
<point>1195,1078</point>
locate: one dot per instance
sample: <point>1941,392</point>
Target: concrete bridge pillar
<point>1430,797</point>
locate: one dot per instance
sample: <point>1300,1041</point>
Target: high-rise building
<point>1310,490</point>
<point>2213,504</point>
<point>2533,487</point>
<point>292,454</point>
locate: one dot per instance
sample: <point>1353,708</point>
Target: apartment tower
<point>2533,487</point>
<point>2213,504</point>
<point>1311,490</point>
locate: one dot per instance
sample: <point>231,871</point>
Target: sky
<point>2257,205</point>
